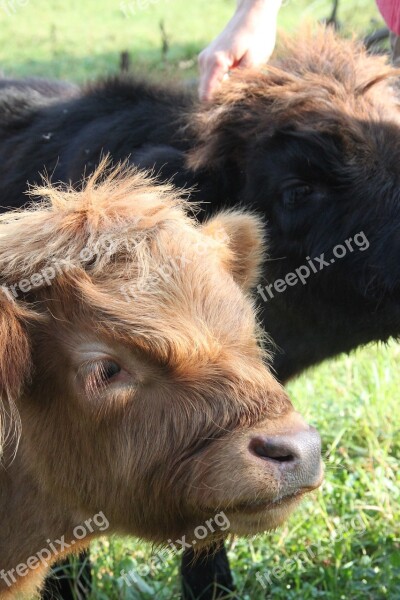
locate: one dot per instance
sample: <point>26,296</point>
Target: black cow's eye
<point>294,196</point>
<point>109,369</point>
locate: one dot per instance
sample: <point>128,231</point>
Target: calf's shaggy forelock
<point>136,372</point>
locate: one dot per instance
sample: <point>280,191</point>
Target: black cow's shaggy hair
<point>313,143</point>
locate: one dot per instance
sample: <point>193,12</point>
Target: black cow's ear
<point>242,242</point>
<point>15,361</point>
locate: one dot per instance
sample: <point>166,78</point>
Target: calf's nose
<point>297,454</point>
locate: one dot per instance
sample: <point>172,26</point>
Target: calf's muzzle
<point>297,455</point>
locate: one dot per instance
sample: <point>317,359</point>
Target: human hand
<point>247,41</point>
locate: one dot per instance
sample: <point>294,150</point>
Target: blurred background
<point>343,543</point>
<point>83,39</point>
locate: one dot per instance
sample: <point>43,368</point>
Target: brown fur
<point>154,447</point>
<point>318,82</point>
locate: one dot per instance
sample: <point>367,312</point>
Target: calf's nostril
<point>297,454</point>
<point>272,449</point>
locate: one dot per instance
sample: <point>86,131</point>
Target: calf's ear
<point>242,240</point>
<point>14,363</point>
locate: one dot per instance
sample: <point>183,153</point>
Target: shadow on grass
<point>180,61</point>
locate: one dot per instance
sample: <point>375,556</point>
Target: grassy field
<point>344,541</point>
<point>79,40</point>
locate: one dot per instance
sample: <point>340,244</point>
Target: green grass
<point>353,401</point>
<point>79,40</point>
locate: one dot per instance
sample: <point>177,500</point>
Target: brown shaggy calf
<point>130,358</point>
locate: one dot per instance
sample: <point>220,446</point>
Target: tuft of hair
<point>323,52</point>
<point>314,71</point>
<point>117,202</point>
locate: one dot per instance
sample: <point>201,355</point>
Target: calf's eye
<point>102,373</point>
<point>108,369</point>
<point>296,195</point>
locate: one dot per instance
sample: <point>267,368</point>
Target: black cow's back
<point>62,131</point>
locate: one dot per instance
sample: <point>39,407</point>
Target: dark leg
<point>207,575</point>
<point>70,580</point>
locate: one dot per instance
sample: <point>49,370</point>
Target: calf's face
<point>148,397</point>
<point>317,140</point>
